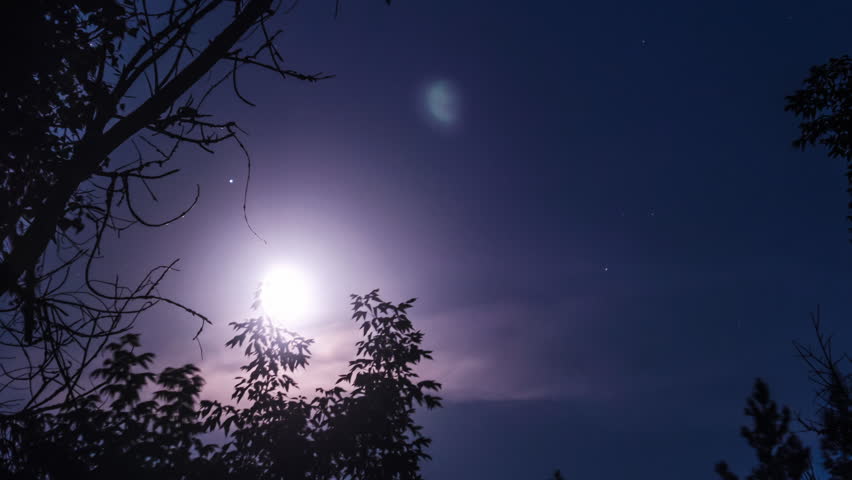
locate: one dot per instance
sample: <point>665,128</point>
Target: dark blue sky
<point>612,240</point>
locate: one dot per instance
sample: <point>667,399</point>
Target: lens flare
<point>442,103</point>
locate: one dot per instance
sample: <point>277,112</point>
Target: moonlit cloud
<point>511,351</point>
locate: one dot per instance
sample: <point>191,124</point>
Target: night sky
<point>596,203</point>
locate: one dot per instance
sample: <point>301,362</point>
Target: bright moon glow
<point>285,295</point>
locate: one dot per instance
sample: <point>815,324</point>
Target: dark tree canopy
<point>825,107</point>
<point>363,431</point>
<point>53,84</point>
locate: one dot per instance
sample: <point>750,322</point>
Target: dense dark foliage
<point>51,92</point>
<point>825,107</point>
<point>362,431</point>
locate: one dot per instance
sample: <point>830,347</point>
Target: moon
<point>286,295</point>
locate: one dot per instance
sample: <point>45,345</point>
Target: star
<point>606,269</point>
<point>230,180</point>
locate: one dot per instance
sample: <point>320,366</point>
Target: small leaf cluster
<point>825,105</point>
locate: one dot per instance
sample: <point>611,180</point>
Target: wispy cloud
<point>514,351</point>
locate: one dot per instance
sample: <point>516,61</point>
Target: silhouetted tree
<point>91,77</point>
<point>825,106</point>
<point>780,452</point>
<point>367,432</point>
<point>833,423</point>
